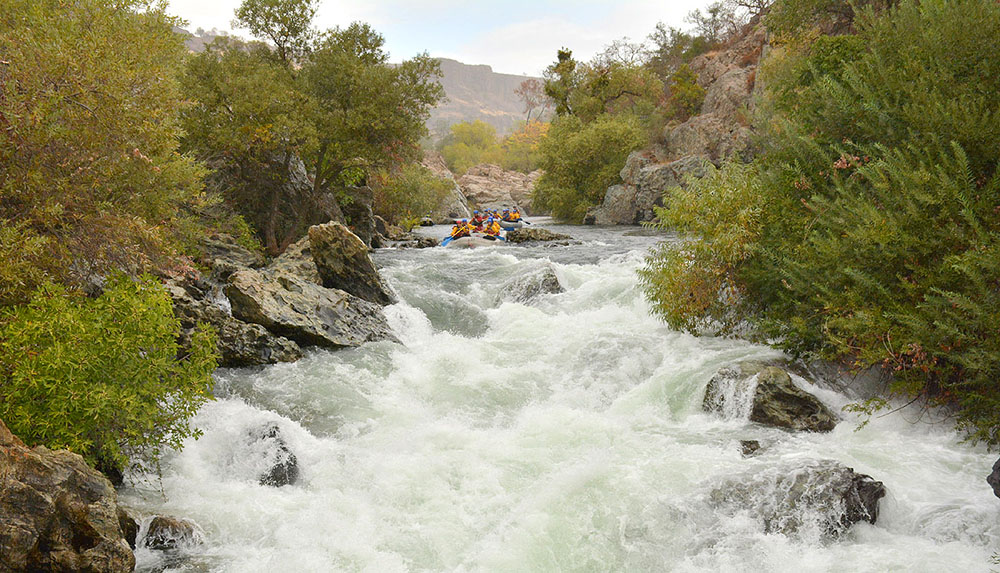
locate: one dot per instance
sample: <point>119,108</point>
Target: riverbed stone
<point>166,533</point>
<point>297,260</point>
<point>344,263</point>
<point>283,465</point>
<point>787,497</point>
<point>307,313</point>
<point>57,513</point>
<point>531,285</point>
<point>526,234</point>
<point>777,401</point>
<point>994,478</point>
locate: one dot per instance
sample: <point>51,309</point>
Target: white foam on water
<point>561,435</point>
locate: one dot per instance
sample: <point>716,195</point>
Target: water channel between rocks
<point>562,434</point>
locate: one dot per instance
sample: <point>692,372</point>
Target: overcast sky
<point>515,37</point>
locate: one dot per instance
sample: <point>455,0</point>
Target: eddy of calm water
<point>565,434</point>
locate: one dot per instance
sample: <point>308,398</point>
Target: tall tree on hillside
<point>532,92</point>
<point>286,23</point>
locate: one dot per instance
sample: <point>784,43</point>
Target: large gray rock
<point>770,396</point>
<point>788,498</point>
<point>994,478</point>
<point>358,212</point>
<point>343,262</point>
<point>529,286</point>
<point>528,234</point>
<point>57,513</point>
<point>305,312</point>
<point>297,260</point>
<point>239,343</point>
<point>729,96</point>
<point>222,249</point>
<point>454,205</point>
<point>645,183</point>
<point>708,136</point>
<point>492,187</point>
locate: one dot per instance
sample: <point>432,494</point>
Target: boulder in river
<point>343,262</point>
<point>769,396</point>
<point>525,234</point>
<point>305,312</point>
<point>297,260</point>
<point>531,285</point>
<point>788,498</point>
<point>994,478</point>
<point>239,343</point>
<point>165,533</point>
<point>57,513</point>
<point>283,466</point>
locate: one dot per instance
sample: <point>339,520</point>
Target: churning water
<point>565,434</point>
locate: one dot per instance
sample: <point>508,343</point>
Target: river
<point>561,435</point>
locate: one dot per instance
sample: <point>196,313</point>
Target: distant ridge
<point>476,92</point>
<point>473,91</point>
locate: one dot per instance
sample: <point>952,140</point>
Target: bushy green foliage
<point>332,101</point>
<point>101,376</point>
<point>876,201</point>
<point>470,143</point>
<point>404,196</point>
<point>89,127</point>
<point>582,160</point>
<point>686,96</point>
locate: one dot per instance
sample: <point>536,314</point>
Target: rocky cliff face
<point>57,513</point>
<point>455,205</point>
<point>492,187</point>
<point>476,93</point>
<point>720,131</point>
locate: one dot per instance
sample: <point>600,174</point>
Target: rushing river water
<point>565,434</point>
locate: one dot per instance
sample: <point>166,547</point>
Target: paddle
<point>446,241</point>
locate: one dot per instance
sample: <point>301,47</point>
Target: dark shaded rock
<point>525,234</point>
<point>239,343</point>
<point>994,478</point>
<point>130,527</point>
<point>358,212</point>
<point>414,241</point>
<point>767,395</point>
<point>284,466</point>
<point>529,286</point>
<point>57,513</point>
<point>787,498</point>
<point>305,312</point>
<point>343,263</point>
<point>166,533</point>
<point>749,447</point>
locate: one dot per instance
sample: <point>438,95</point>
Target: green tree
<point>101,376</point>
<point>286,23</point>
<point>582,161</point>
<point>369,115</point>
<point>404,196</point>
<point>470,143</point>
<point>90,176</point>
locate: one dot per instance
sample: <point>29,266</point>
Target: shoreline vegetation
<point>864,227</point>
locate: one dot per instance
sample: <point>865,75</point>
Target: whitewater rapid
<point>561,435</point>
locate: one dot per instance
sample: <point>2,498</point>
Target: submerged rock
<point>788,498</point>
<point>531,285</point>
<point>305,312</point>
<point>57,513</point>
<point>343,263</point>
<point>284,466</point>
<point>165,533</point>
<point>525,234</point>
<point>994,478</point>
<point>749,447</point>
<point>774,399</point>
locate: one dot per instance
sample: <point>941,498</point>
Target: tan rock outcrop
<point>490,186</point>
<point>57,513</point>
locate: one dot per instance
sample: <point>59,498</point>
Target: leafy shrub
<point>582,161</point>
<point>102,376</point>
<point>405,196</point>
